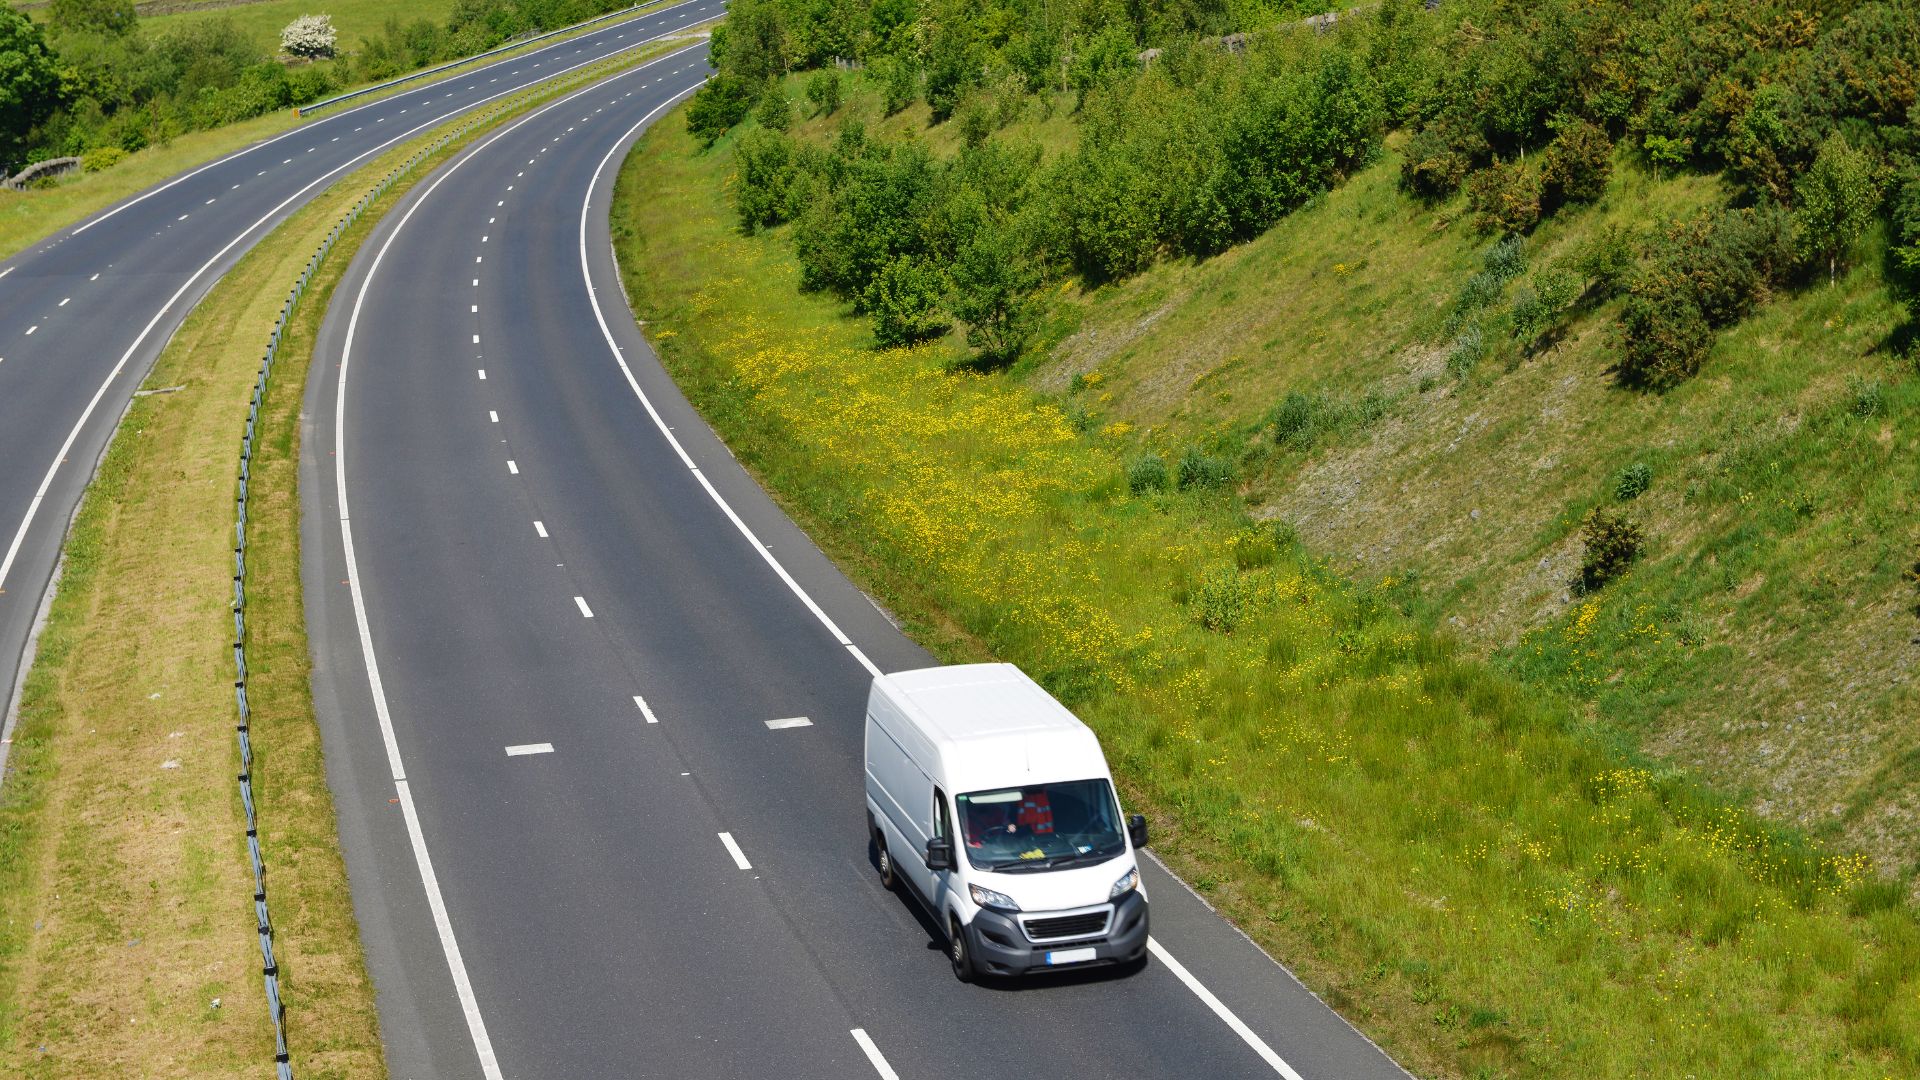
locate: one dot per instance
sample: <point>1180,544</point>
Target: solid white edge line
<point>46,482</point>
<point>606,332</point>
<point>290,133</point>
<point>1258,1045</point>
<point>874,1057</point>
<point>733,849</point>
<point>1239,1027</point>
<point>449,946</point>
<point>523,749</point>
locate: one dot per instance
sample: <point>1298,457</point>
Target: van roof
<point>974,711</point>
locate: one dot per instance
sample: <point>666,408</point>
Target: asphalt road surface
<point>84,314</point>
<point>551,620</point>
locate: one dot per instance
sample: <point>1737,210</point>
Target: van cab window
<point>942,820</point>
<point>1041,826</point>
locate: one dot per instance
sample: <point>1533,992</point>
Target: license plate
<point>1071,956</point>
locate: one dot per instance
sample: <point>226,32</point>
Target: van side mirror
<point>1137,830</point>
<point>940,853</point>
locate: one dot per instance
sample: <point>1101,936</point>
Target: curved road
<point>84,314</point>
<point>552,619</point>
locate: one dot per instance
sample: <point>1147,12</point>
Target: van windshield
<point>1041,826</point>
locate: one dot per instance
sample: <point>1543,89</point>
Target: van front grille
<point>1085,924</point>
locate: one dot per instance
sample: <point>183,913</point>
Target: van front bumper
<point>1000,946</point>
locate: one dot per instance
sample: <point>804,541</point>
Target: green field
<point>1483,873</point>
<point>352,19</point>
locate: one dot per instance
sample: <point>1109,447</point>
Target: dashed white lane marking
<point>647,712</point>
<point>63,303</point>
<point>493,417</point>
<point>874,1057</point>
<point>436,902</point>
<point>491,220</point>
<point>540,528</point>
<point>513,467</point>
<point>289,161</point>
<point>209,202</point>
<point>789,722</point>
<point>483,239</point>
<point>502,202</point>
<point>476,283</point>
<point>476,339</point>
<point>262,172</point>
<point>581,603</point>
<point>235,187</point>
<point>31,329</point>
<point>733,849</point>
<point>182,217</point>
<point>476,258</point>
<point>476,309</point>
<point>524,749</point>
<point>483,374</point>
<point>633,383</point>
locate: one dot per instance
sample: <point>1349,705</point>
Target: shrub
<point>1505,198</point>
<point>1837,198</point>
<point>1612,541</point>
<point>1506,260</point>
<point>899,82</point>
<point>1606,259</point>
<point>1221,599</point>
<point>1662,334</point>
<point>993,284</point>
<point>823,91</point>
<point>101,157</point>
<point>722,103</point>
<point>1148,472</point>
<point>1904,257</point>
<point>1731,260</point>
<point>1540,304</point>
<point>1468,349</point>
<point>1203,471</point>
<point>1866,398</point>
<point>766,171</point>
<point>1297,419</point>
<point>310,37</point>
<point>1436,163</point>
<point>775,111</point>
<point>904,301</point>
<point>1576,166</point>
<point>1632,482</point>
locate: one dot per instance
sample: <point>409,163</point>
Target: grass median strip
<point>127,940</point>
<point>1481,880</point>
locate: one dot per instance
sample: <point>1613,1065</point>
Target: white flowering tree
<point>309,37</point>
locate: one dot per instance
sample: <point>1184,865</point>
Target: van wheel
<point>889,879</point>
<point>957,951</point>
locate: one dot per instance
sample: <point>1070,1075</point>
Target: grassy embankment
<point>27,217</point>
<point>1482,878</point>
<point>125,895</point>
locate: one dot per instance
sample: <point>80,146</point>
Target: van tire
<point>959,954</point>
<point>889,877</point>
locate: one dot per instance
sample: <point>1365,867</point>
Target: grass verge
<point>125,896</point>
<point>1479,878</point>
<point>28,217</point>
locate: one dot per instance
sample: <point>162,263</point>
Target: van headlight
<point>992,898</point>
<point>1128,882</point>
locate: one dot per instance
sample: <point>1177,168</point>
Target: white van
<point>995,806</point>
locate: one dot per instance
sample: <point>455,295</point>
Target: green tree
<point>993,285</point>
<point>114,18</point>
<point>1904,257</point>
<point>29,85</point>
<point>1838,195</point>
<point>775,111</point>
